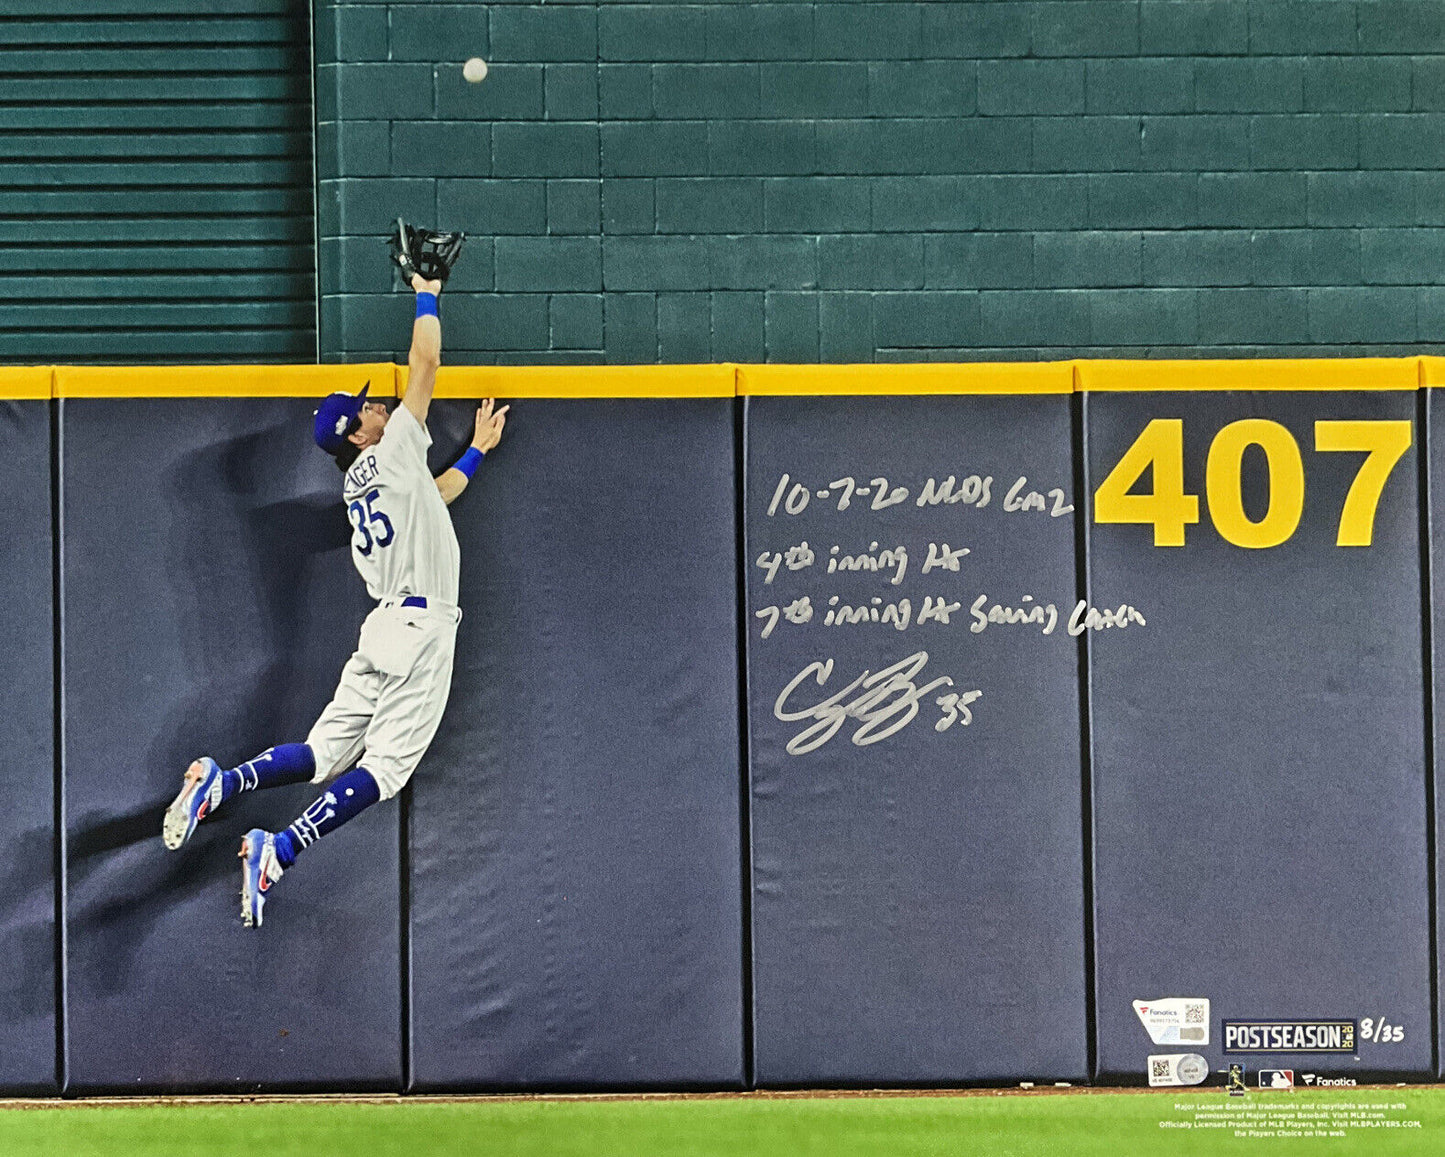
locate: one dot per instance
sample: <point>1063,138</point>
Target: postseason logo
<point>1289,1036</point>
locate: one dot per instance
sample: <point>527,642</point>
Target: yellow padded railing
<point>725,380</point>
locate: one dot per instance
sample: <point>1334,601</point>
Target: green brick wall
<point>854,181</point>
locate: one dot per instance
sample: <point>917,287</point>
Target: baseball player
<point>394,688</point>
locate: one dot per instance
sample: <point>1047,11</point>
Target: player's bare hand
<point>489,425</point>
<point>422,285</point>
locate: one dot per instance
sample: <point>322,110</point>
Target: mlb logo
<point>1276,1078</point>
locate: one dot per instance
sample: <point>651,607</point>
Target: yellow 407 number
<point>1170,510</point>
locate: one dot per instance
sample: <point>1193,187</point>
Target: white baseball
<point>475,70</point>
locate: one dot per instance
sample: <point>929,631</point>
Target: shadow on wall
<point>258,556</point>
<point>243,579</point>
<point>27,914</point>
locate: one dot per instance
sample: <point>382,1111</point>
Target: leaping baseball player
<point>394,689</point>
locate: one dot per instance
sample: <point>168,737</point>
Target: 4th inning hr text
<point>894,559</point>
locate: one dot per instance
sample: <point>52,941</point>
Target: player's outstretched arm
<point>426,348</point>
<point>488,433</point>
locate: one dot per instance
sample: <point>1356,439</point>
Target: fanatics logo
<point>1175,1020</point>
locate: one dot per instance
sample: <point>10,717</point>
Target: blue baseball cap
<point>334,417</point>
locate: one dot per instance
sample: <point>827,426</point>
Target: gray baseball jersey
<point>403,542</point>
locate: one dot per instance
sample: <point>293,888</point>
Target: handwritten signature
<point>888,702</point>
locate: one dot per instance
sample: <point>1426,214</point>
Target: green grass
<point>1106,1124</point>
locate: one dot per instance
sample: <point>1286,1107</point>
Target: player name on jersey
<point>361,473</point>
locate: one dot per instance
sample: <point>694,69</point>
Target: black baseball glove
<point>424,251</point>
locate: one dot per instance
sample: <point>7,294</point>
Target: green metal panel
<point>156,196</point>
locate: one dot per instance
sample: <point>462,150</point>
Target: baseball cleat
<point>259,870</point>
<point>200,796</point>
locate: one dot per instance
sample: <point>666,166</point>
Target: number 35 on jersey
<point>1159,450</point>
<point>373,528</point>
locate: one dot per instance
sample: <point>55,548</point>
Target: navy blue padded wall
<point>1435,442</point>
<point>918,912</point>
<point>27,758</point>
<point>1258,750</point>
<point>576,874</point>
<point>209,604</point>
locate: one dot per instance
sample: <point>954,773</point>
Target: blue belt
<point>431,606</point>
<point>410,601</point>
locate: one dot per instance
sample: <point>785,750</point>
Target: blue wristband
<point>426,303</point>
<point>469,462</point>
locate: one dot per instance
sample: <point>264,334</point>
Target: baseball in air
<point>475,70</point>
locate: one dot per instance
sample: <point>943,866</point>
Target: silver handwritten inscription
<point>884,702</point>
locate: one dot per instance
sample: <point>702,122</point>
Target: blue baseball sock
<point>284,763</point>
<point>348,796</point>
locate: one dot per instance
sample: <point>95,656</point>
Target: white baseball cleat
<point>200,796</point>
<point>259,870</point>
